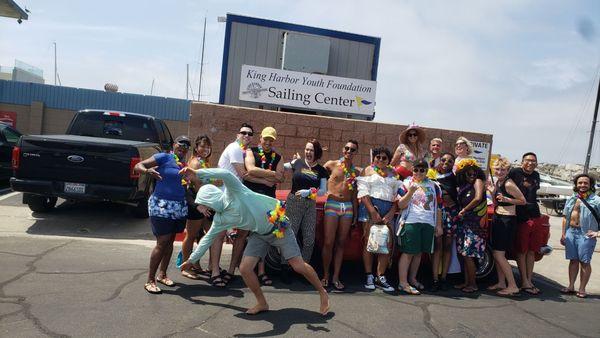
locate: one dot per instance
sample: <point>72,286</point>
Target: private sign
<point>309,91</point>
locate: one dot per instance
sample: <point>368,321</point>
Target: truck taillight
<point>132,173</point>
<point>16,157</point>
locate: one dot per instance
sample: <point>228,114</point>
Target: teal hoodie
<point>234,207</point>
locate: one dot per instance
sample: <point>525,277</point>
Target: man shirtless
<point>340,211</point>
<point>579,232</point>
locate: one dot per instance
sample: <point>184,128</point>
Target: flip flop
<point>508,295</point>
<point>165,281</point>
<point>494,288</point>
<point>581,295</point>
<point>418,286</point>
<point>468,289</point>
<point>339,286</point>
<point>532,291</point>
<point>567,291</point>
<point>152,288</point>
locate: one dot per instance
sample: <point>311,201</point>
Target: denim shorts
<point>578,246</point>
<point>383,207</point>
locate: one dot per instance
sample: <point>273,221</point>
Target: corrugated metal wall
<point>13,92</point>
<point>262,46</point>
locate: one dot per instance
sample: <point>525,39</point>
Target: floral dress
<point>470,240</point>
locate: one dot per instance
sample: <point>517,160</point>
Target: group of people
<point>422,199</point>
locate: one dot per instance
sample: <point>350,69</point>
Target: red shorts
<point>532,234</point>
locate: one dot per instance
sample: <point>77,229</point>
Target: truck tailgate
<point>68,160</point>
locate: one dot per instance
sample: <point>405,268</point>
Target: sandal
<point>409,290</point>
<point>165,281</point>
<point>417,286</point>
<point>532,290</point>
<point>325,282</point>
<point>227,277</point>
<point>200,271</point>
<point>217,281</point>
<point>265,280</point>
<point>581,295</point>
<point>567,291</point>
<point>494,288</point>
<point>189,274</point>
<point>508,294</point>
<point>152,288</point>
<point>338,285</point>
<point>469,289</point>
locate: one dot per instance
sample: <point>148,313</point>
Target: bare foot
<point>258,308</point>
<point>460,286</point>
<point>324,309</point>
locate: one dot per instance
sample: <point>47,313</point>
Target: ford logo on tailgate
<point>75,158</point>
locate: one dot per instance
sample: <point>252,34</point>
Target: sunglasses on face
<point>381,158</point>
<point>349,149</point>
<point>444,160</point>
<point>412,134</point>
<point>247,133</point>
<point>419,170</point>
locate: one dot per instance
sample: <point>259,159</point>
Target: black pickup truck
<point>93,161</point>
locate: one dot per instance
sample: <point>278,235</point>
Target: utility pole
<point>202,60</point>
<point>55,68</point>
<point>187,80</point>
<point>152,87</point>
<point>588,155</point>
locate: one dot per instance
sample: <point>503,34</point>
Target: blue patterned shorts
<point>158,207</point>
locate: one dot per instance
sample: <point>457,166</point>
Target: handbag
<point>379,235</point>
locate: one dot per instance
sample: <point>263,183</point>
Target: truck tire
<point>485,266</point>
<point>39,203</point>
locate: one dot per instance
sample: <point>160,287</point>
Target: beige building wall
<point>38,119</point>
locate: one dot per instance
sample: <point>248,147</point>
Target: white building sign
<point>481,153</point>
<point>308,91</point>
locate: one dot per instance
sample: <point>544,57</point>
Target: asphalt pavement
<point>79,271</point>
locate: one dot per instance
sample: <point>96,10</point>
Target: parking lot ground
<point>79,271</point>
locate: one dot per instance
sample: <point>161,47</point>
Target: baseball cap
<point>183,140</point>
<point>269,132</point>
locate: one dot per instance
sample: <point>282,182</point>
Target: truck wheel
<point>273,260</point>
<point>39,203</point>
<point>485,266</point>
<point>140,210</point>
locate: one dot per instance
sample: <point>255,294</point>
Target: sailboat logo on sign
<point>254,89</point>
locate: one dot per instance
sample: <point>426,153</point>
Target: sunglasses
<point>444,160</point>
<point>183,145</point>
<point>350,149</point>
<point>412,134</point>
<point>247,133</point>
<point>419,170</point>
<point>381,158</point>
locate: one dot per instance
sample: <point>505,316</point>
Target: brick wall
<point>222,123</point>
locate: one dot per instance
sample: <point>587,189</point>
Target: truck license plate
<point>75,188</point>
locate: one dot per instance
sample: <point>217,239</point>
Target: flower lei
<point>584,195</point>
<point>349,174</point>
<point>466,162</point>
<point>181,165</point>
<point>313,194</point>
<point>263,158</point>
<point>203,163</point>
<point>278,219</point>
<point>383,173</point>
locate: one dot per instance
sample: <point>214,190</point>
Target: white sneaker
<point>370,285</point>
<point>383,284</point>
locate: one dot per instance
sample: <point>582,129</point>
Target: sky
<point>525,71</point>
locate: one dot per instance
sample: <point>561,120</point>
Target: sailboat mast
<point>588,155</point>
<point>202,60</point>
